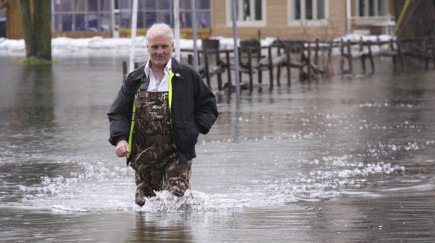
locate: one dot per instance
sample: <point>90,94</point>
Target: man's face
<point>160,49</point>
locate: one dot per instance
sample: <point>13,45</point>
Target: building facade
<point>286,19</point>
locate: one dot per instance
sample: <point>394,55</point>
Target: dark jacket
<point>193,108</point>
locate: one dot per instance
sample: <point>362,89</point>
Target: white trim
<point>303,22</point>
<point>247,23</point>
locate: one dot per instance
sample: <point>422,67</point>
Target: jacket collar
<point>177,68</point>
<point>139,73</point>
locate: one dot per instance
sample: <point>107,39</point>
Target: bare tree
<point>36,19</point>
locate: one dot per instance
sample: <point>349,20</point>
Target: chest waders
<point>153,155</point>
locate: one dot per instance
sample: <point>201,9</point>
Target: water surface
<point>334,160</point>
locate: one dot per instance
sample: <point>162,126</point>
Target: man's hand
<point>121,148</point>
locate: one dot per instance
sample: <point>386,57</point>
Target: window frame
<point>247,23</point>
<point>292,21</point>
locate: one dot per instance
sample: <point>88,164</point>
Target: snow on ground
<point>97,43</point>
<point>64,45</point>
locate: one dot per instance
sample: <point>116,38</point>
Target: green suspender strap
<point>130,136</point>
<point>171,75</point>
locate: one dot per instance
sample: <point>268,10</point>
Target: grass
<point>33,61</point>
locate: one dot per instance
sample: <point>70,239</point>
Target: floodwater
<point>335,160</point>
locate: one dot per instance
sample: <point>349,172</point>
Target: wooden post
<point>287,50</point>
<point>190,59</point>
<point>372,63</point>
<point>433,51</point>
<point>206,68</point>
<point>329,60</point>
<point>269,53</point>
<point>309,61</point>
<point>349,56</point>
<point>219,75</point>
<point>278,68</point>
<point>227,59</point>
<point>363,55</point>
<point>124,68</point>
<point>316,52</point>
<point>342,56</point>
<point>426,52</point>
<point>251,82</point>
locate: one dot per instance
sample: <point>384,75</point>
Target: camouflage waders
<point>154,156</point>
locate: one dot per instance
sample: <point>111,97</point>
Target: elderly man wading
<point>157,116</point>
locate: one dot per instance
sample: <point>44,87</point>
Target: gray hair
<point>159,29</point>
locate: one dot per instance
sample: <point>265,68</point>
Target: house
<point>286,19</point>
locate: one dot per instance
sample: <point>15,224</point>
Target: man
<point>157,116</point>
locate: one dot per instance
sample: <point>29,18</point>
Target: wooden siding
<point>13,15</point>
<point>277,22</point>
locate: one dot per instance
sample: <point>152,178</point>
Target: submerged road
<point>334,160</point>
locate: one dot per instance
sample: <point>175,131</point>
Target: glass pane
<point>67,23</point>
<point>150,18</point>
<point>297,10</point>
<point>80,24</point>
<point>125,18</point>
<point>203,19</point>
<point>371,7</point>
<point>56,6</point>
<point>309,9</point>
<point>80,6</point>
<point>63,6</point>
<point>186,19</point>
<point>164,4</point>
<point>92,22</point>
<point>361,8</point>
<point>58,23</point>
<point>104,5</point>
<point>258,10</point>
<point>321,9</point>
<point>203,4</point>
<point>105,22</point>
<point>185,4</point>
<point>150,5</point>
<point>381,8</point>
<point>92,5</point>
<point>246,10</point>
<point>140,5</point>
<point>164,17</point>
<point>140,19</point>
<point>124,4</point>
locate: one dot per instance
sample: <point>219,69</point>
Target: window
<point>154,11</point>
<point>308,12</point>
<point>81,15</point>
<point>248,12</point>
<point>371,8</point>
<point>202,14</point>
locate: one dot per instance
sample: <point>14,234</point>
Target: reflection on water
<point>335,160</point>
